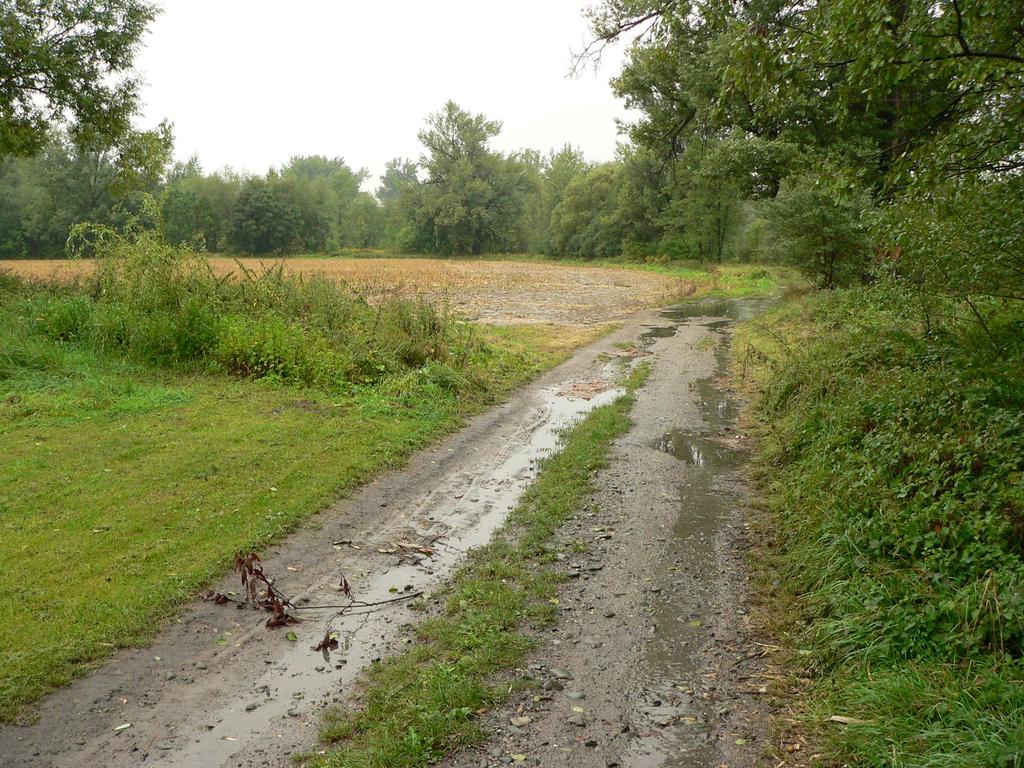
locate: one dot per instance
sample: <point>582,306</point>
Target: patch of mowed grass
<point>725,280</point>
<point>892,462</point>
<point>135,463</point>
<point>421,704</point>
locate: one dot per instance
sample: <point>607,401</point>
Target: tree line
<point>460,197</point>
<point>838,137</point>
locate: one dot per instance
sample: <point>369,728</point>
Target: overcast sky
<point>249,83</point>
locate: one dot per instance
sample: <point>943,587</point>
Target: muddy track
<point>654,659</point>
<point>650,626</point>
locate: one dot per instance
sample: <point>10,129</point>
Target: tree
<point>817,225</point>
<point>472,198</point>
<point>67,61</point>
<point>262,222</point>
<point>556,171</point>
<point>585,223</point>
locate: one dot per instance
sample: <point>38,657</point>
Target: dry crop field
<point>505,292</point>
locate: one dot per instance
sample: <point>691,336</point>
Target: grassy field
<point>142,449</point>
<point>892,461</point>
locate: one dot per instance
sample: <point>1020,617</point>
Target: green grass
<point>892,463</point>
<point>420,705</point>
<point>130,476</point>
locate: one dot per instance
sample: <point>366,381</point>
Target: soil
<point>655,659</point>
<point>507,292</point>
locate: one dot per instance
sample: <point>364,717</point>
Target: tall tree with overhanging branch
<point>68,62</point>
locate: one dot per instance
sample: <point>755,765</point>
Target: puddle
<point>715,314</point>
<point>466,507</point>
<point>676,708</point>
<point>700,451</point>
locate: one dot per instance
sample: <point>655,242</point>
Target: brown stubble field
<point>505,292</point>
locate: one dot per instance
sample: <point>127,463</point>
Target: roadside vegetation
<point>892,461</point>
<point>157,418</point>
<point>420,705</point>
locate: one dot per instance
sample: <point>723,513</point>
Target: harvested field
<point>495,292</point>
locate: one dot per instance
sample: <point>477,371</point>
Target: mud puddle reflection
<point>676,710</point>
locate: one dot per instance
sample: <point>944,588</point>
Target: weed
<point>891,460</point>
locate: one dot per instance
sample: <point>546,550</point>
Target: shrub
<point>816,224</point>
<point>162,305</point>
<point>64,318</point>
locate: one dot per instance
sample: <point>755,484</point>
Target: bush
<point>960,239</point>
<point>816,224</point>
<point>64,318</point>
<point>162,305</point>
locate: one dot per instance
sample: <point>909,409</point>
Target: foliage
<point>471,199</point>
<point>816,224</point>
<point>960,239</point>
<point>68,60</point>
<point>921,103</point>
<point>893,467</point>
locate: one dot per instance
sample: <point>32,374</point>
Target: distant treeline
<point>460,197</point>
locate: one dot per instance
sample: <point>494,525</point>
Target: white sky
<point>249,83</point>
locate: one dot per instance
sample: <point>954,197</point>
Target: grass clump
<point>892,460</point>
<point>420,705</point>
<point>163,306</point>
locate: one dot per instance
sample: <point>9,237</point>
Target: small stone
<point>577,720</point>
<point>576,695</point>
<point>496,753</point>
<point>552,684</point>
<point>561,674</point>
<point>590,743</point>
<point>251,707</point>
<point>520,721</point>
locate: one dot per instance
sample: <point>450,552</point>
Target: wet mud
<point>653,625</point>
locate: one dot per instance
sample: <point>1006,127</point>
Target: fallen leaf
<point>123,726</point>
<point>849,720</point>
<point>291,636</point>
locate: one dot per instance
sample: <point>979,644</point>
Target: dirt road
<point>651,649</point>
